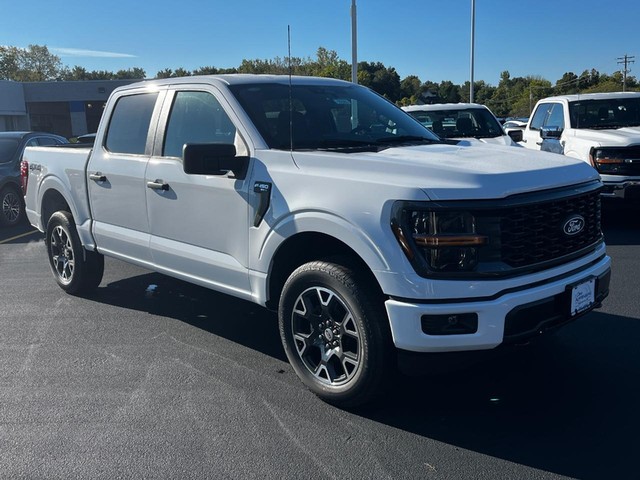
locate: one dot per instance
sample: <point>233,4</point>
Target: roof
<point>443,106</point>
<point>13,134</point>
<point>592,96</point>
<point>240,78</point>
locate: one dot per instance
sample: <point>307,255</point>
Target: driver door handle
<point>98,177</point>
<point>158,185</point>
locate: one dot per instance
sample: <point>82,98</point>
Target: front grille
<point>532,234</point>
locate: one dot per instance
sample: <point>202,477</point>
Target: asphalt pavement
<point>151,377</point>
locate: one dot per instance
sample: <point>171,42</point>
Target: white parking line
<point>6,240</point>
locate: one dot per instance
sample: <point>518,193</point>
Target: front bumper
<point>620,187</point>
<point>510,317</point>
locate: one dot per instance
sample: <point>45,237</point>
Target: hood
<point>453,172</point>
<point>499,140</point>
<point>620,137</point>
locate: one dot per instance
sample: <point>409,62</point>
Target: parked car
<point>12,145</point>
<point>462,121</point>
<point>602,129</point>
<point>513,125</point>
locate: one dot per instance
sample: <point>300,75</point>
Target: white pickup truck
<point>602,129</point>
<point>373,240</point>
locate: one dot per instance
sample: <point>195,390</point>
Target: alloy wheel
<point>326,336</point>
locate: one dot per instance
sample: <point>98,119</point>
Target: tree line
<point>511,97</point>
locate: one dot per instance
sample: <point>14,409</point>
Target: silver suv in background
<point>463,121</point>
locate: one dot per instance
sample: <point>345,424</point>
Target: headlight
<point>436,240</point>
<point>607,159</point>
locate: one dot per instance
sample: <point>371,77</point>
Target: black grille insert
<point>532,234</point>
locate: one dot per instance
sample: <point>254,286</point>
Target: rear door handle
<point>98,177</point>
<point>538,143</point>
<point>158,185</point>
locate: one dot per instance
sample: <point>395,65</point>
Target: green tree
<point>568,84</point>
<point>449,92</point>
<point>134,73</point>
<point>381,79</point>
<point>32,64</point>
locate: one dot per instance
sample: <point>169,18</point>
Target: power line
<point>626,60</point>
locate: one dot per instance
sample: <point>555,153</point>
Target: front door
<point>199,223</point>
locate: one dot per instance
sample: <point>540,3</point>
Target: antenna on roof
<point>290,87</point>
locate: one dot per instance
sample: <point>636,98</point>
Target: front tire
<point>335,333</point>
<point>75,269</point>
<point>12,206</point>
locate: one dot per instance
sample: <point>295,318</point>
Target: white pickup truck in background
<point>373,240</point>
<point>602,129</point>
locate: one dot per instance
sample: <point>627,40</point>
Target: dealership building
<point>65,108</point>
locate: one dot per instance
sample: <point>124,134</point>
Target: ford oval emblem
<point>573,225</point>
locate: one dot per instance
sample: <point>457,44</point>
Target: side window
<point>32,143</point>
<point>537,121</point>
<point>129,124</point>
<point>196,117</point>
<point>556,117</point>
<point>47,141</point>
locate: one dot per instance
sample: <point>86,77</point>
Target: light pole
<point>473,33</point>
<point>354,43</point>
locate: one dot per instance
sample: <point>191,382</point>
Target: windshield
<point>465,122</point>
<point>337,117</point>
<point>605,113</point>
<point>8,147</point>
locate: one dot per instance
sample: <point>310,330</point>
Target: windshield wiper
<point>405,139</point>
<point>607,127</point>
<point>348,144</point>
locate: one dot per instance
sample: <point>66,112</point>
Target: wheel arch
<point>305,247</point>
<point>54,196</point>
<point>52,201</point>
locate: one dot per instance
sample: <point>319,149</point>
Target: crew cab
<point>373,239</point>
<point>602,129</point>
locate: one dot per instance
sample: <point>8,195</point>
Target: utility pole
<point>354,43</point>
<point>626,60</point>
<point>473,34</point>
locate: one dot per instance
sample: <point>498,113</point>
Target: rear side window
<point>129,125</point>
<point>47,141</point>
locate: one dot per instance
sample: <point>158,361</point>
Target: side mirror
<point>551,133</point>
<point>516,135</point>
<point>213,159</point>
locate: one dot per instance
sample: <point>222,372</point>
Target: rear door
<point>199,224</point>
<point>115,177</point>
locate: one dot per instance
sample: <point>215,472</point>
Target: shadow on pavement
<point>237,320</point>
<point>567,404</point>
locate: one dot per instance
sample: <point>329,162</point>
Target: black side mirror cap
<point>551,132</point>
<point>516,135</point>
<point>213,159</point>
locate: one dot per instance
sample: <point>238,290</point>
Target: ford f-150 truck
<point>602,129</point>
<point>373,239</point>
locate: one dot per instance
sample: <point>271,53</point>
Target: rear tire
<point>336,334</point>
<point>12,205</point>
<point>75,269</point>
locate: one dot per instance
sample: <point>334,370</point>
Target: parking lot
<point>151,377</point>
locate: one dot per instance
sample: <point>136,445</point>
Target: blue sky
<point>428,38</point>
